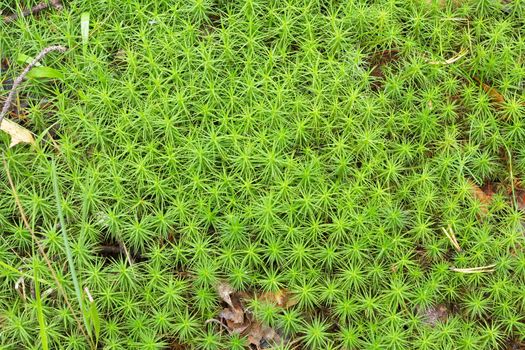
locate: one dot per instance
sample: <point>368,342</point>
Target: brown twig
<point>39,246</point>
<point>20,78</point>
<point>34,10</point>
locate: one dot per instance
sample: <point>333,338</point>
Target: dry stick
<point>20,78</point>
<point>452,237</point>
<point>34,10</point>
<point>39,246</point>
<point>479,269</point>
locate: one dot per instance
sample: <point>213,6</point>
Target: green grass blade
<point>20,273</point>
<point>40,312</point>
<point>69,254</point>
<point>94,318</point>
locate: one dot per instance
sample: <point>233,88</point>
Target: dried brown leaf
<point>18,133</point>
<point>484,197</point>
<point>491,91</point>
<point>232,314</point>
<point>520,199</point>
<point>260,334</point>
<point>225,291</point>
<point>281,298</point>
<point>236,319</point>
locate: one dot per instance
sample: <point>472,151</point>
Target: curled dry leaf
<point>239,320</point>
<point>263,337</point>
<point>18,133</point>
<point>225,291</point>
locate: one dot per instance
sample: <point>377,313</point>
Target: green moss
<point>312,146</point>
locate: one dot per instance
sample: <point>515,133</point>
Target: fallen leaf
<point>520,198</point>
<point>263,337</point>
<point>238,320</point>
<point>225,291</point>
<point>485,197</point>
<point>232,314</point>
<point>18,133</point>
<point>492,92</point>
<point>281,298</point>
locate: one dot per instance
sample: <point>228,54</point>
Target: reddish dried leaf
<point>240,321</point>
<point>255,335</point>
<point>492,92</point>
<point>237,328</point>
<point>484,197</point>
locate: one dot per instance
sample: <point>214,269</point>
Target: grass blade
<point>40,312</point>
<point>93,316</point>
<point>67,248</point>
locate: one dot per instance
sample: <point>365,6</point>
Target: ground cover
<point>303,174</point>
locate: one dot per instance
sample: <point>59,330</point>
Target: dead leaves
<point>237,319</point>
<point>282,298</point>
<point>18,133</point>
<point>494,94</point>
<point>482,194</point>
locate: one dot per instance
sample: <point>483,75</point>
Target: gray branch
<point>20,78</point>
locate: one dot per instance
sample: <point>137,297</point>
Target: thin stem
<point>34,10</point>
<point>20,78</point>
<point>67,247</point>
<point>39,246</point>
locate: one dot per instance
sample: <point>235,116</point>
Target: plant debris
<point>56,4</point>
<point>434,314</point>
<point>483,194</point>
<point>452,237</point>
<point>494,94</point>
<point>479,269</point>
<point>18,133</point>
<point>237,319</point>
<point>453,59</point>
